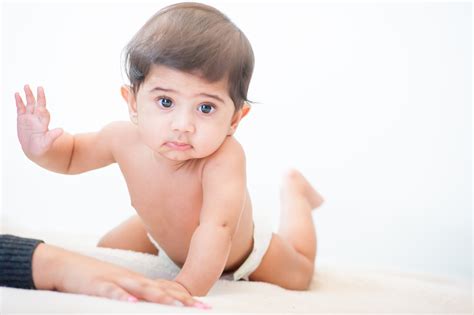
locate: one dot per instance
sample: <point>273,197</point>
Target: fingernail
<point>177,303</point>
<point>132,299</point>
<point>202,306</point>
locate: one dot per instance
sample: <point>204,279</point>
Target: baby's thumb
<point>53,134</point>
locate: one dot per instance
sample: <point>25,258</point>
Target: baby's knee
<point>300,279</point>
<point>134,241</point>
<point>105,241</point>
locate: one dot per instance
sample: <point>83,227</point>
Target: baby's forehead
<point>185,82</point>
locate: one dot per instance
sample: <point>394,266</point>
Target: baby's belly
<point>176,247</point>
<point>175,234</point>
<point>172,234</point>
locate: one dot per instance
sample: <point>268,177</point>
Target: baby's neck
<point>169,165</point>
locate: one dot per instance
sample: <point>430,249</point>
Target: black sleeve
<point>16,256</point>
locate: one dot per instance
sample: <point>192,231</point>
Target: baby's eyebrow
<point>158,88</point>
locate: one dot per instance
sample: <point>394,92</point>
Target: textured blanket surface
<point>333,290</point>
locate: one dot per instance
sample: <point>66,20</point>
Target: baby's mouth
<point>179,146</point>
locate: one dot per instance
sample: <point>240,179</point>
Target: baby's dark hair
<point>194,38</point>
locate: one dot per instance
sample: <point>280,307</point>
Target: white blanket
<point>333,290</point>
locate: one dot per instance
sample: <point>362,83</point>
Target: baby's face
<point>181,116</point>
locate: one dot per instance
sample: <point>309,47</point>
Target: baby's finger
<point>30,99</point>
<point>187,300</point>
<point>20,106</point>
<point>41,97</point>
<point>152,294</point>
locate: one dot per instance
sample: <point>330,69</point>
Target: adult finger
<point>112,291</point>
<point>20,106</point>
<point>147,290</point>
<point>181,298</point>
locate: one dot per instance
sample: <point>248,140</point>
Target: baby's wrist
<point>34,157</point>
<point>182,286</point>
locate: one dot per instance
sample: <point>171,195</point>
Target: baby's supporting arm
<point>54,149</point>
<point>208,252</point>
<point>224,189</point>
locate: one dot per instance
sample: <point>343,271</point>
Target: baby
<point>189,68</point>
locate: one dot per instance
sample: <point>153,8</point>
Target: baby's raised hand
<point>32,124</point>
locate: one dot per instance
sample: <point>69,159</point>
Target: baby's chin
<point>166,153</point>
<point>176,156</point>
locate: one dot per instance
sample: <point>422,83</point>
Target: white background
<point>372,102</point>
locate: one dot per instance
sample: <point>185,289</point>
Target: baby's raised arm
<point>55,149</point>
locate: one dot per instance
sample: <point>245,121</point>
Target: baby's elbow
<point>228,229</point>
<point>222,228</point>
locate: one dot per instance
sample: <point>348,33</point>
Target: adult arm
<point>31,264</point>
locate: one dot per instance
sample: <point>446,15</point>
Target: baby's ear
<point>241,113</point>
<point>129,98</point>
<point>245,109</point>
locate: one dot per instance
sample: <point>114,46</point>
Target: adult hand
<point>55,268</point>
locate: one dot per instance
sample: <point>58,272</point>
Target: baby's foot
<point>295,182</point>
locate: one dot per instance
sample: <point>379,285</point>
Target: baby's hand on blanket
<point>32,123</point>
<point>178,287</point>
<point>55,268</point>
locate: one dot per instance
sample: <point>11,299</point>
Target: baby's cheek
<point>213,144</point>
<point>150,138</point>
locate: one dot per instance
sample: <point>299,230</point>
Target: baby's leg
<point>289,261</point>
<point>130,235</point>
<point>298,199</point>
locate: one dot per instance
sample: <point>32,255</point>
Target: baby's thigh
<point>284,266</point>
<point>129,235</point>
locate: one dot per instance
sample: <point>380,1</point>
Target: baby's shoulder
<point>121,134</point>
<point>230,153</point>
<point>121,125</point>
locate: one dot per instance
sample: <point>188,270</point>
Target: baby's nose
<point>183,123</point>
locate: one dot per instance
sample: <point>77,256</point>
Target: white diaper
<point>262,235</point>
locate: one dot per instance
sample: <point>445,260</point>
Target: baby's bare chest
<point>164,199</point>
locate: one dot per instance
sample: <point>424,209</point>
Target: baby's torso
<point>169,202</point>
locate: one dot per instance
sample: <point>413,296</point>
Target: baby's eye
<point>206,108</point>
<point>165,102</point>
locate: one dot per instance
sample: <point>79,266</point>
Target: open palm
<point>32,123</point>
